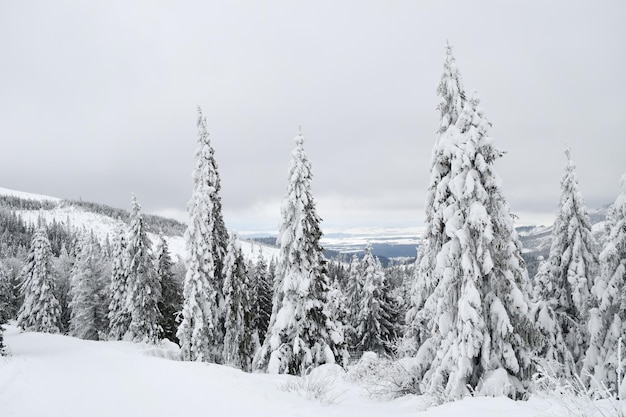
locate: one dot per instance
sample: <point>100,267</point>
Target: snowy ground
<point>52,375</point>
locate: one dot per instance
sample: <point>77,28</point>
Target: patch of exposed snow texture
<point>127,379</point>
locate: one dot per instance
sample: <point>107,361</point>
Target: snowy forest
<point>465,319</point>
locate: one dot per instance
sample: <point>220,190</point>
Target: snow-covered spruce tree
<point>337,304</point>
<point>452,98</point>
<point>63,266</point>
<point>253,299</point>
<point>170,303</point>
<point>40,310</point>
<point>88,318</point>
<point>119,312</point>
<point>376,328</point>
<point>607,321</point>
<point>478,324</point>
<point>143,283</point>
<point>201,332</point>
<point>5,299</point>
<point>354,293</point>
<point>264,287</point>
<point>563,284</point>
<point>301,334</point>
<point>239,341</point>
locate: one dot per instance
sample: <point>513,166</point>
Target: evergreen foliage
<point>452,99</point>
<point>301,334</point>
<point>263,288</point>
<point>239,343</point>
<point>338,307</point>
<point>40,311</point>
<point>607,321</point>
<point>5,300</point>
<point>354,293</point>
<point>143,284</point>
<point>201,332</point>
<point>12,268</point>
<point>563,283</point>
<point>377,316</point>
<point>63,266</point>
<point>88,318</point>
<point>119,304</point>
<point>170,303</point>
<point>470,313</point>
<point>15,235</point>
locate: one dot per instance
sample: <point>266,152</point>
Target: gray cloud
<point>98,100</point>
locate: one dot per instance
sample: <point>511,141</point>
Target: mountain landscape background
<point>389,244</point>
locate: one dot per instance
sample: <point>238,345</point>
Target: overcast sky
<point>98,100</point>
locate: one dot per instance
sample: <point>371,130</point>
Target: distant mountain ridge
<point>387,243</point>
<point>101,220</point>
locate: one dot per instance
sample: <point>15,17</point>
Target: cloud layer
<point>98,100</point>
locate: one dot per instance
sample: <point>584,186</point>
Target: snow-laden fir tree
<point>63,266</point>
<point>301,334</point>
<point>452,99</point>
<point>354,292</point>
<point>253,299</point>
<point>5,299</point>
<point>170,303</point>
<point>119,312</point>
<point>607,321</point>
<point>478,324</point>
<point>88,319</point>
<point>143,283</point>
<point>563,283</point>
<point>376,316</point>
<point>201,332</point>
<point>337,304</point>
<point>239,340</point>
<point>40,311</point>
<point>262,281</point>
<point>211,183</point>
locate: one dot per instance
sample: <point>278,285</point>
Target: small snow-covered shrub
<point>319,385</point>
<point>499,383</point>
<point>573,395</point>
<point>384,378</point>
<point>165,349</point>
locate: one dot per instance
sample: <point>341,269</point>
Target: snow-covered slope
<point>60,376</point>
<point>28,196</point>
<point>79,219</point>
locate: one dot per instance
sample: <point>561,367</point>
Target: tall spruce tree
<point>239,343</point>
<point>143,284</point>
<point>40,311</point>
<point>170,303</point>
<point>301,334</point>
<point>88,319</point>
<point>563,283</point>
<point>477,322</point>
<point>201,332</point>
<point>376,316</point>
<point>607,321</point>
<point>119,305</point>
<point>452,99</point>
